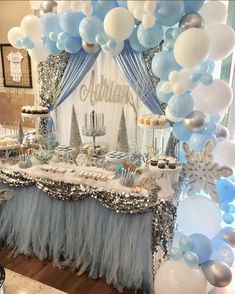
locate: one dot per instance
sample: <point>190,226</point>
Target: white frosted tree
<point>75,137</point>
<point>122,139</point>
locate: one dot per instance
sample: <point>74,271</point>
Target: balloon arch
<point>195,35</point>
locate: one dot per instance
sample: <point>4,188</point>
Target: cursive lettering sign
<point>104,91</point>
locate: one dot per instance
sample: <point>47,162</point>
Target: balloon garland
<point>195,35</point>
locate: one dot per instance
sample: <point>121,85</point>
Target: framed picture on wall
<point>16,67</point>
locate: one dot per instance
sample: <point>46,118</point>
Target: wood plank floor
<point>62,279</point>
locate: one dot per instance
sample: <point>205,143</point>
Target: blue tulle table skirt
<point>81,234</point>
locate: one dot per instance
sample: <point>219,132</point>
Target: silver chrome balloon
<point>217,273</point>
<point>90,48</point>
<point>191,20</point>
<point>223,132</point>
<point>195,121</point>
<point>47,6</point>
<point>228,235</point>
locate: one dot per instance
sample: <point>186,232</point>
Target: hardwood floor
<point>62,279</point>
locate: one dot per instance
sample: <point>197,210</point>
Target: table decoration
<point>43,155</point>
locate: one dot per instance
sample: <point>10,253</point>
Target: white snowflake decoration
<point>201,170</point>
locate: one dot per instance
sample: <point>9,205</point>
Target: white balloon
<point>222,39</point>
<point>77,5</point>
<point>13,34</point>
<point>119,23</point>
<point>192,47</point>
<point>178,88</point>
<point>185,75</point>
<point>31,27</point>
<point>199,214</point>
<point>38,53</point>
<point>150,6</point>
<point>213,12</point>
<point>224,153</point>
<point>139,13</point>
<point>118,49</point>
<point>148,20</point>
<point>171,117</point>
<point>176,277</point>
<point>135,4</point>
<point>213,98</point>
<point>166,88</point>
<point>174,76</point>
<point>62,6</point>
<point>87,9</point>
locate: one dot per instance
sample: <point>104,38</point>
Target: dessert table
<point>96,226</point>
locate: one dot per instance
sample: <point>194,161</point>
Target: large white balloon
<point>224,153</point>
<point>38,53</point>
<point>199,214</point>
<point>137,8</point>
<point>192,47</point>
<point>171,117</point>
<point>31,27</point>
<point>213,98</point>
<point>176,277</point>
<point>116,50</point>
<point>222,39</point>
<point>213,12</point>
<point>13,34</point>
<point>62,6</point>
<point>119,23</point>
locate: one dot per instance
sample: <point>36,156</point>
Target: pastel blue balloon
<point>151,37</point>
<point>50,46</point>
<point>181,132</point>
<point>202,247</point>
<point>232,208</point>
<point>28,43</point>
<point>168,12</point>
<point>181,106</point>
<point>101,8</point>
<point>73,44</point>
<point>182,157</point>
<point>195,77</point>
<point>60,45</point>
<point>62,37</point>
<point>215,117</point>
<point>53,36</point>
<point>202,68</point>
<point>197,141</point>
<point>163,63</point>
<point>222,251</point>
<point>193,5</point>
<point>206,79</point>
<point>101,39</point>
<point>175,253</point>
<point>210,128</point>
<point>161,96</point>
<point>224,206</point>
<point>135,44</point>
<point>50,23</point>
<point>211,65</point>
<point>191,258</point>
<point>185,244</point>
<point>169,33</point>
<point>228,218</point>
<point>70,21</point>
<point>89,28</point>
<point>19,42</point>
<point>111,44</point>
<point>122,3</point>
<point>226,190</point>
<point>176,32</point>
<point>169,44</point>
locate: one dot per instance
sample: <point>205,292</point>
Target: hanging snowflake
<point>201,170</point>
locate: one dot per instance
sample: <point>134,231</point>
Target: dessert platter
<point>30,111</point>
<point>153,121</point>
<point>116,156</point>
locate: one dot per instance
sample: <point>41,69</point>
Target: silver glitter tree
<point>20,133</point>
<point>75,137</point>
<point>122,139</point>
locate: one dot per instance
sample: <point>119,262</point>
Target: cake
<point>154,161</point>
<point>161,163</point>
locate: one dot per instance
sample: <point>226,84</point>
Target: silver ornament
<point>223,132</point>
<point>191,20</point>
<point>90,48</point>
<point>228,235</point>
<point>195,121</point>
<point>47,6</point>
<point>217,273</point>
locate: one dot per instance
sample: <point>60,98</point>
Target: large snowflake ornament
<point>201,170</point>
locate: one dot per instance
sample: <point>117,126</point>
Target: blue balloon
<point>70,21</point>
<point>185,244</point>
<point>191,258</point>
<point>19,42</point>
<point>181,106</point>
<point>50,46</point>
<point>211,65</point>
<point>101,39</point>
<point>122,3</point>
<point>210,128</point>
<point>62,37</point>
<point>60,45</point>
<point>135,44</point>
<point>181,132</point>
<point>169,44</point>
<point>53,36</point>
<point>206,79</point>
<point>222,251</point>
<point>224,206</point>
<point>232,209</point>
<point>169,33</point>
<point>73,44</point>
<point>163,63</point>
<point>175,253</point>
<point>111,44</point>
<point>202,247</point>
<point>195,77</point>
<point>197,141</point>
<point>176,32</point>
<point>228,218</point>
<point>161,96</point>
<point>182,157</point>
<point>226,190</point>
<point>28,43</point>
<point>193,5</point>
<point>168,12</point>
<point>101,8</point>
<point>50,23</point>
<point>151,37</point>
<point>215,117</point>
<point>89,28</point>
<point>202,68</point>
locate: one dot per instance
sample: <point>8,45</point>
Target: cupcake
<point>161,164</point>
<point>154,161</point>
<point>23,109</point>
<point>44,110</point>
<point>33,109</point>
<point>147,120</point>
<point>172,164</point>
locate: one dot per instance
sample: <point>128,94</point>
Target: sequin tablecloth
<point>114,234</point>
